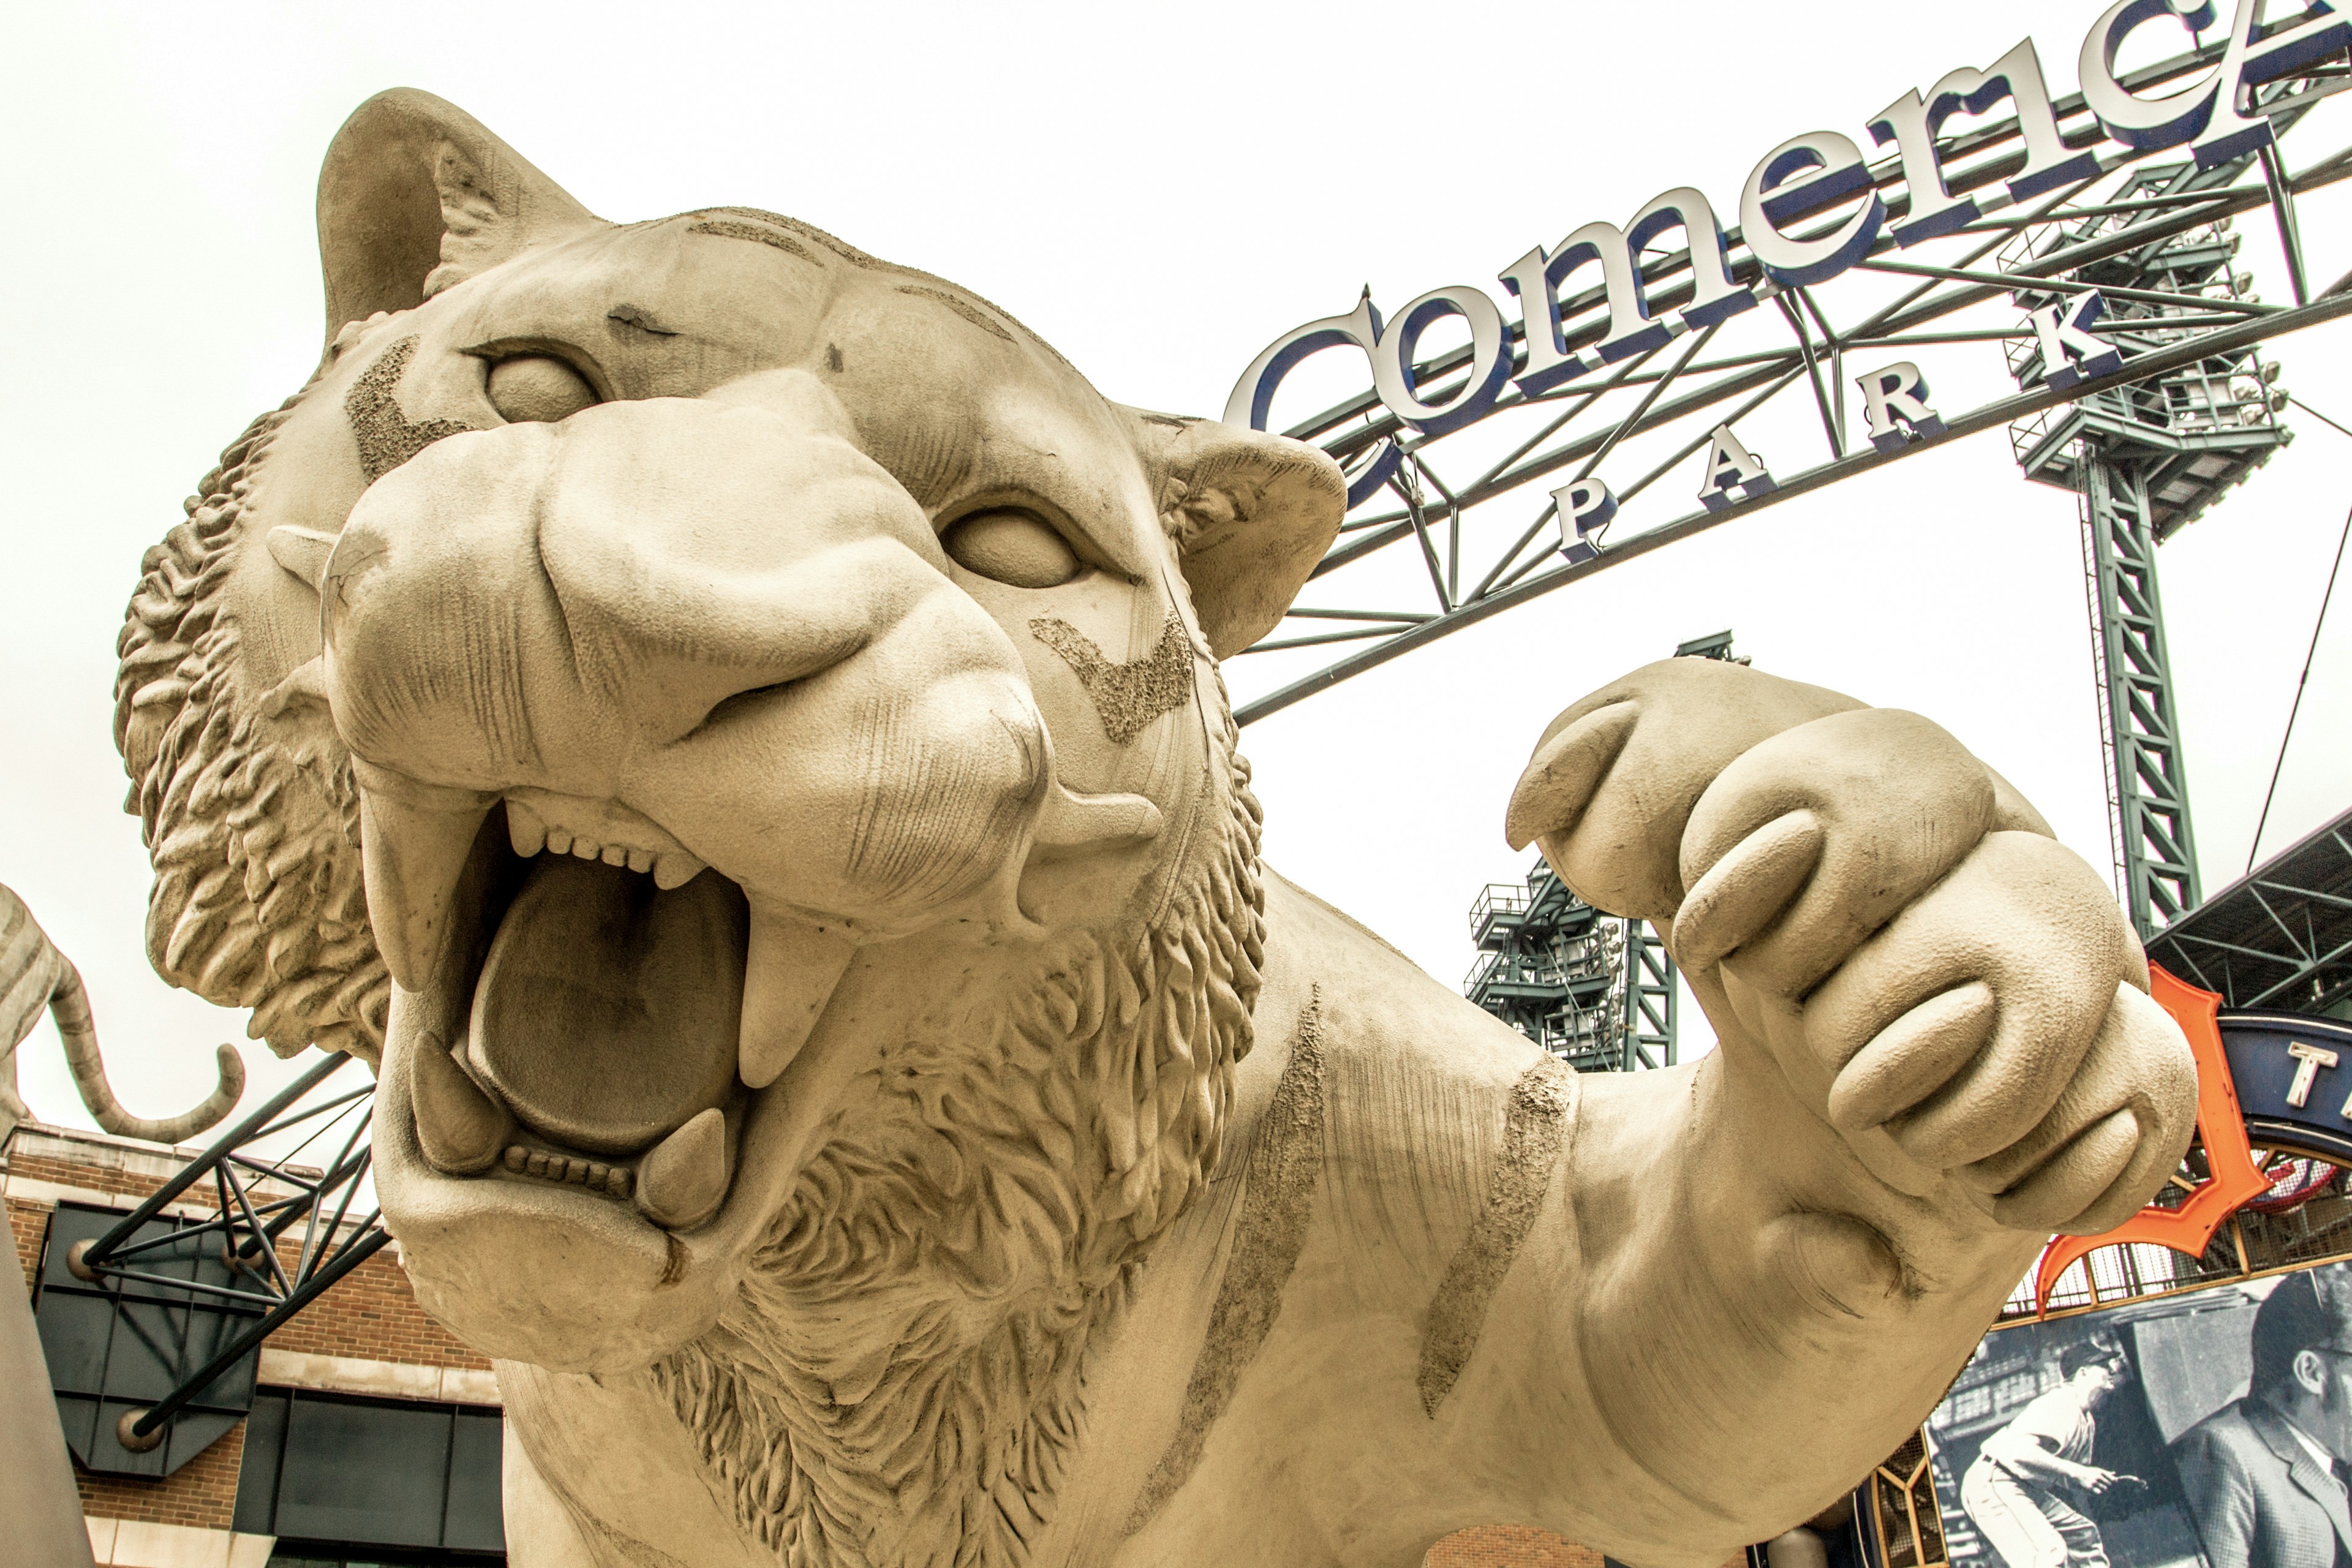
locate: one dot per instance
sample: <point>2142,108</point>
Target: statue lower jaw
<point>550,1272</point>
<point>584,1242</point>
<point>533,1272</point>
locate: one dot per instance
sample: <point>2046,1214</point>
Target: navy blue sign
<point>1804,177</point>
<point>2295,1081</point>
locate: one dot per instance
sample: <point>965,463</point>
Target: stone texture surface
<point>37,1495</point>
<point>628,619</point>
<point>1520,1546</point>
<point>145,1544</point>
<point>37,981</point>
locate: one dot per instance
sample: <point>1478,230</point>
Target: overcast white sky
<point>1158,190</point>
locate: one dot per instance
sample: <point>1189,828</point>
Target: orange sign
<point>2235,1180</point>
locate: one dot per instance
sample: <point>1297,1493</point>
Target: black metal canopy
<point>2281,938</point>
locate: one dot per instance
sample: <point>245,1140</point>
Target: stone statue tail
<point>69,1006</point>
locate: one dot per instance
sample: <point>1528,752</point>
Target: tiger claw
<point>1561,778</point>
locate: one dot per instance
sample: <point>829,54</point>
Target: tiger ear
<point>416,195</point>
<point>1250,514</point>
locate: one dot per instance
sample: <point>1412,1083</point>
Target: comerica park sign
<point>1809,211</point>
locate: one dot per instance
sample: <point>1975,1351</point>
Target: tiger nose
<point>699,556</point>
<point>560,596</point>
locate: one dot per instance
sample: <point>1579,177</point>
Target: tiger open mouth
<point>597,1009</point>
<point>606,1009</point>
<point>569,1145</point>
<point>607,1060</point>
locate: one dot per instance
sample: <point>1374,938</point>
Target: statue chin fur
<point>732,728</point>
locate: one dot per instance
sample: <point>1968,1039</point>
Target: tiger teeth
<point>526,829</point>
<point>674,870</point>
<point>538,821</point>
<point>459,1127</point>
<point>414,841</point>
<point>614,1181</point>
<point>682,1180</point>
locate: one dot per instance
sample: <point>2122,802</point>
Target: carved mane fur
<point>245,800</point>
<point>900,1382</point>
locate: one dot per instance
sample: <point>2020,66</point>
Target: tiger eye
<point>1013,546</point>
<point>538,388</point>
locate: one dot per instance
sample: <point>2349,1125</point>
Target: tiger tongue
<point>606,1012</point>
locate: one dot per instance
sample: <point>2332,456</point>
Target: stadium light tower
<point>2146,460</point>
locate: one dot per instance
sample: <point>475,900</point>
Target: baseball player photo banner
<point>2210,1429</point>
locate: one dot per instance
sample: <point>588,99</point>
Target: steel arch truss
<point>1463,526</point>
<point>2281,938</point>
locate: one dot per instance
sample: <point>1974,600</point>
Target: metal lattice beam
<point>248,1231</point>
<point>2281,938</point>
<point>1481,523</point>
<point>1998,415</point>
<point>2148,786</point>
<point>1649,998</point>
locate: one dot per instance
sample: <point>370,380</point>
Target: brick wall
<point>1510,1546</point>
<point>29,1222</point>
<point>372,1313</point>
<point>202,1492</point>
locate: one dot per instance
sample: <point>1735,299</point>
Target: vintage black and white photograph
<point>2212,1428</point>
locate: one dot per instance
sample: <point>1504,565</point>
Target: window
<point>338,1479</point>
<point>114,1349</point>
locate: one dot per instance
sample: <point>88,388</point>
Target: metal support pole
<point>1650,999</point>
<point>2290,231</point>
<point>2147,798</point>
<point>97,1253</point>
<point>358,1250</point>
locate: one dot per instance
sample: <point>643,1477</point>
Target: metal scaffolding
<point>1599,990</point>
<point>216,1287</point>
<point>2149,826</point>
<point>2281,938</point>
<point>1596,990</point>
